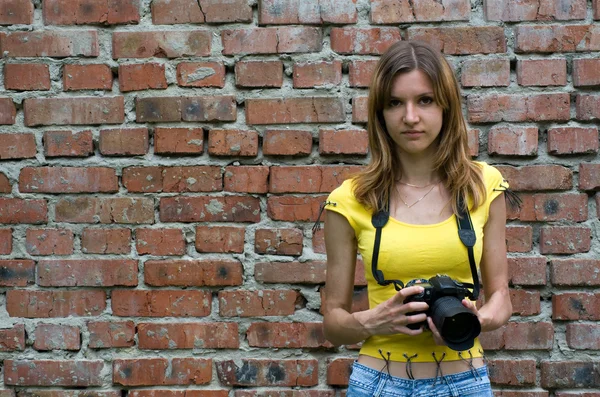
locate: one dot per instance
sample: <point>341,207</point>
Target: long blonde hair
<point>460,175</point>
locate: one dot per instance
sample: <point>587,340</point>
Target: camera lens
<point>457,325</point>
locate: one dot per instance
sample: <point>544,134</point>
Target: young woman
<point>420,168</point>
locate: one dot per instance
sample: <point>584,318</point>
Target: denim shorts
<point>369,382</point>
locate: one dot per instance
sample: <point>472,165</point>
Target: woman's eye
<point>394,103</point>
<point>426,100</point>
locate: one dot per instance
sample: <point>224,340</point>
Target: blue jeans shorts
<point>369,382</point>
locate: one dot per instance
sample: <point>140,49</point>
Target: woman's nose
<point>411,115</point>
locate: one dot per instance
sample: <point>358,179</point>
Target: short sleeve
<point>342,201</point>
<point>494,182</point>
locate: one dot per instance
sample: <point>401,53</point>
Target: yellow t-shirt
<point>410,252</point>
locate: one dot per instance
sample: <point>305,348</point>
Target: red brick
<point>173,179</point>
<point>512,372</point>
<point>597,196</point>
<point>178,140</point>
<point>578,272</point>
<point>12,339</point>
<point>201,74</point>
<point>160,241</point>
<point>586,72</point>
<point>289,372</point>
<point>287,335</point>
<point>233,143</point>
<point>57,337</point>
<point>557,38</point>
<point>282,393</point>
<point>292,209</point>
<point>272,12</point>
<point>68,180</point>
<point>259,73</point>
<point>163,44</point>
<point>492,340</point>
<point>565,239</point>
<point>5,184</point>
<point>161,303</point>
<point>246,179</point>
<point>109,334</point>
<point>287,143</point>
<point>525,270</point>
<point>55,44</point>
<point>552,207</point>
<point>194,273</point>
<point>73,373</point>
<point>83,110</point>
<point>243,303</point>
<point>577,393</point>
<point>124,142</point>
<point>363,41</point>
<point>105,210</point>
<point>473,137</point>
<point>144,76</point>
<point>87,272</point>
<point>5,241</point>
<point>486,73</point>
<point>278,241</point>
<point>210,209</point>
<point>106,241</point>
<point>513,140</point>
<point>589,176</point>
<point>317,74</point>
<point>534,10</point>
<point>8,111</point>
<point>359,109</point>
<point>49,241</point>
<point>309,179</point>
<point>14,210</point>
<point>87,77</point>
<point>462,40</point>
<point>394,11</point>
<point>16,12</point>
<point>515,107</point>
<point>311,272</point>
<point>576,306</point>
<point>529,336</point>
<point>519,238</point>
<point>86,12</point>
<point>338,371</point>
<point>17,146</point>
<point>570,374</point>
<point>360,72</point>
<point>295,110</point>
<point>283,40</point>
<point>343,141</point>
<point>587,106</point>
<point>542,72</point>
<point>538,177</point>
<point>208,108</point>
<point>572,140</point>
<point>178,393</point>
<point>188,336</point>
<point>222,239</point>
<point>41,304</point>
<point>26,76</point>
<point>68,144</point>
<point>162,371</point>
<point>66,393</point>
<point>596,6</point>
<point>525,303</point>
<point>16,272</point>
<point>583,336</point>
<point>169,12</point>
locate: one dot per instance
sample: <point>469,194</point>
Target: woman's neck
<point>418,171</point>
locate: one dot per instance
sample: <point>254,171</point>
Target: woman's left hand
<point>437,338</point>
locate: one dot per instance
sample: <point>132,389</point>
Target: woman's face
<point>412,117</point>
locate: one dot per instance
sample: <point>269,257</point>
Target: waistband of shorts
<point>454,378</point>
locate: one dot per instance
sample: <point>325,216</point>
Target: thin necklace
<point>417,186</point>
<point>422,197</point>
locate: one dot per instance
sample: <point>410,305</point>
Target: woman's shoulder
<point>491,175</point>
<point>344,192</point>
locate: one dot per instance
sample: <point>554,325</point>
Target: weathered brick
<point>247,179</point>
<point>124,142</point>
<point>278,241</point>
<point>552,207</point>
<point>186,273</point>
<point>38,304</point>
<point>144,76</point>
<point>178,393</point>
<point>512,372</point>
<point>17,146</point>
<point>589,176</point>
<point>359,109</point>
<point>243,303</point>
<point>73,373</point>
<point>309,179</point>
<point>178,141</point>
<point>173,179</point>
<point>15,210</point>
<point>293,12</point>
<point>49,241</point>
<point>538,177</point>
<point>68,180</point>
<point>596,9</point>
<point>55,44</point>
<point>519,238</point>
<point>169,12</point>
<point>86,12</point>
<point>295,110</point>
<point>292,209</point>
<point>542,72</point>
<point>5,241</point>
<point>311,272</point>
<point>259,73</point>
<point>586,72</point>
<point>287,143</point>
<point>161,303</point>
<point>207,108</point>
<point>109,334</point>
<point>162,371</point>
<point>8,111</point>
<point>583,336</point>
<point>572,140</point>
<point>557,38</point>
<point>536,335</point>
<point>12,339</point>
<point>161,242</point>
<point>57,337</point>
<point>339,370</point>
<point>282,40</point>
<point>360,72</point>
<point>26,76</point>
<point>106,241</point>
<point>87,77</point>
<point>363,41</point>
<point>105,210</point>
<point>289,372</point>
<point>316,74</point>
<point>576,306</point>
<point>453,40</point>
<point>486,73</point>
<point>209,209</point>
<point>87,272</point>
<point>222,239</point>
<point>394,11</point>
<point>343,141</point>
<point>570,374</point>
<point>201,74</point>
<point>68,143</point>
<point>286,393</point>
<point>587,106</point>
<point>534,10</point>
<point>513,140</point>
<point>188,336</point>
<point>577,272</point>
<point>16,272</point>
<point>287,335</point>
<point>525,303</point>
<point>83,110</point>
<point>232,143</point>
<point>5,184</point>
<point>473,138</point>
<point>515,107</point>
<point>565,239</point>
<point>165,44</point>
<point>15,12</point>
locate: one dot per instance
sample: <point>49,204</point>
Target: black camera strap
<point>466,233</point>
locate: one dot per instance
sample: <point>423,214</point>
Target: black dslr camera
<point>457,325</point>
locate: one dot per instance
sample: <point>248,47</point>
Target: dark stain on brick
<point>584,376</point>
<point>317,335</point>
<point>551,207</point>
<point>127,372</point>
<point>248,374</point>
<point>87,8</point>
<point>576,305</point>
<point>223,273</point>
<point>275,373</point>
<point>194,111</point>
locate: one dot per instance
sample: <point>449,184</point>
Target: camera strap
<point>466,233</point>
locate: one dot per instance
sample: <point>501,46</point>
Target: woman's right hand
<point>390,317</point>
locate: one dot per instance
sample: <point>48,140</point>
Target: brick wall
<point>161,162</point>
